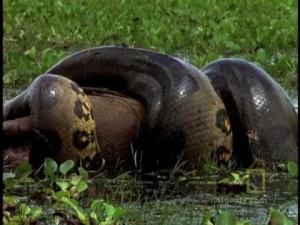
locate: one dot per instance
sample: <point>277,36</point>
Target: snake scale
<point>263,120</point>
<point>59,132</point>
<point>185,115</point>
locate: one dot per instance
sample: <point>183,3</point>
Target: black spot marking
<point>222,121</point>
<point>79,110</point>
<point>81,139</point>
<point>76,88</point>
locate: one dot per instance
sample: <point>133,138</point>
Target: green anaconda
<point>264,122</point>
<point>184,116</point>
<point>50,100</point>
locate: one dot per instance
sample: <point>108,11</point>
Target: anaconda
<point>185,118</point>
<point>263,120</point>
<point>121,119</point>
<point>50,100</point>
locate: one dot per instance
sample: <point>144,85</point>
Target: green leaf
<point>24,209</point>
<point>95,206</point>
<point>31,53</point>
<point>50,167</point>
<point>277,218</point>
<point>261,55</point>
<point>10,182</point>
<point>65,167</point>
<point>110,210</point>
<point>81,186</point>
<point>23,169</point>
<point>62,194</point>
<point>63,185</point>
<point>236,177</point>
<point>224,181</point>
<point>75,180</point>
<point>36,213</point>
<point>226,218</point>
<point>208,168</point>
<point>94,217</point>
<point>96,210</point>
<point>50,56</point>
<point>119,212</point>
<point>56,220</point>
<point>206,214</point>
<point>74,205</point>
<point>83,173</point>
<point>292,186</point>
<point>248,222</point>
<point>11,200</point>
<point>292,168</point>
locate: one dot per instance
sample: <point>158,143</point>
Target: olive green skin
<point>263,120</point>
<point>61,117</point>
<point>185,119</point>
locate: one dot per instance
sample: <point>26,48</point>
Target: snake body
<point>50,100</point>
<point>185,117</point>
<point>263,120</point>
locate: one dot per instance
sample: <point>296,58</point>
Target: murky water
<point>199,196</point>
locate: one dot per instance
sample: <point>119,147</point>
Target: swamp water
<point>184,202</point>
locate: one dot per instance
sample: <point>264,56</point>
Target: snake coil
<point>186,118</point>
